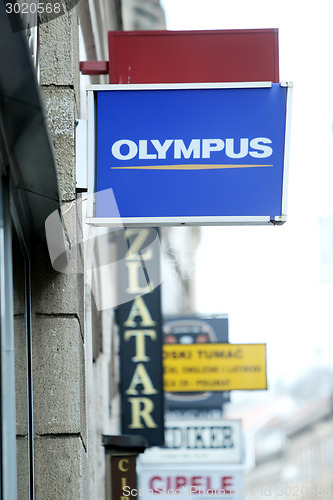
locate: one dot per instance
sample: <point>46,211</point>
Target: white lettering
<point>180,148</point>
<point>126,149</point>
<point>162,148</point>
<point>143,155</point>
<point>230,148</point>
<point>132,149</point>
<point>209,145</point>
<point>141,377</point>
<point>258,143</point>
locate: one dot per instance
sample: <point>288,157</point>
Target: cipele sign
<point>167,482</point>
<point>188,153</point>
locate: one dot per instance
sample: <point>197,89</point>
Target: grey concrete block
<point>21,389</point>
<point>56,292</point>
<point>59,50</point>
<point>60,468</point>
<point>59,387</point>
<point>61,114</point>
<point>83,398</point>
<point>64,150</point>
<point>22,454</point>
<point>72,214</point>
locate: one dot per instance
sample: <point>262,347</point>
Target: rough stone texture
<point>61,468</point>
<point>61,114</point>
<point>60,409</point>
<point>59,75</point>
<point>21,394</point>
<point>54,292</point>
<point>59,52</point>
<point>58,381</point>
<point>83,398</point>
<point>22,454</point>
<point>56,47</point>
<point>72,220</point>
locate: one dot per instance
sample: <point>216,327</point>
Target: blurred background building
<point>291,447</point>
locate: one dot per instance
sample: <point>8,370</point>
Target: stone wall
<point>58,343</point>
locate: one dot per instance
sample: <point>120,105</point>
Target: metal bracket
<point>287,84</point>
<point>81,155</point>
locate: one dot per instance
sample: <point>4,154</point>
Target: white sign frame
<point>178,221</point>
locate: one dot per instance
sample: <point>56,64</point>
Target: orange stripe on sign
<point>187,167</point>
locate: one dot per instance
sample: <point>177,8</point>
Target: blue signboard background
<point>202,188</point>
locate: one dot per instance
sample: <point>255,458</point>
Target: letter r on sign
<point>143,414</point>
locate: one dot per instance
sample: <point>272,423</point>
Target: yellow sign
<point>214,367</point>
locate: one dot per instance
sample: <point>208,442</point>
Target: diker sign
<point>189,153</point>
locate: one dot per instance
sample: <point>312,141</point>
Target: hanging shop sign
<point>120,464</point>
<point>184,480</point>
<point>121,473</point>
<point>140,333</point>
<point>199,434</point>
<point>188,153</point>
<point>198,440</point>
<point>214,367</point>
<point>193,56</point>
<point>196,329</point>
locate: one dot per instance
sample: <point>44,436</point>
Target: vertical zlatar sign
<point>140,332</point>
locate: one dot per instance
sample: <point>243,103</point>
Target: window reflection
<point>22,383</point>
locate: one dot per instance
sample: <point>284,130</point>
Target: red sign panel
<point>193,56</point>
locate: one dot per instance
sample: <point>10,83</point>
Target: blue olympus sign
<point>193,154</point>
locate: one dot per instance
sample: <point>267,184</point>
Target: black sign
<point>140,331</point>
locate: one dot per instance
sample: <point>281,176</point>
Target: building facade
<point>59,369</point>
<point>293,453</point>
<point>43,342</point>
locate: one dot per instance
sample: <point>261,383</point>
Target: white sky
<point>268,278</point>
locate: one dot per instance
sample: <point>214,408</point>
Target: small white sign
<point>198,441</point>
<point>203,434</point>
<point>182,481</point>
